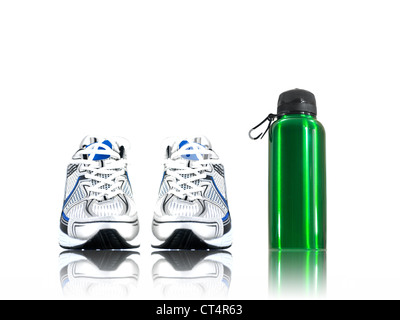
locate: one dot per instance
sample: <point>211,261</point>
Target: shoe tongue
<point>197,144</point>
<point>95,143</point>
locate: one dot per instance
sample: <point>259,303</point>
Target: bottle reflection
<point>297,273</point>
<point>192,274</point>
<point>99,274</point>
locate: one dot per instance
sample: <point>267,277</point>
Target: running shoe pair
<point>99,211</point>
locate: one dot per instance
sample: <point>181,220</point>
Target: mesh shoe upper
<point>97,182</point>
<point>193,184</point>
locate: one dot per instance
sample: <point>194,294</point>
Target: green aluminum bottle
<point>297,174</point>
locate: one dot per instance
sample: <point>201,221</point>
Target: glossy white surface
<point>152,69</point>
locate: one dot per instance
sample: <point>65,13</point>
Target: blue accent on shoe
<point>73,189</point>
<point>64,216</point>
<point>126,173</point>
<point>183,142</point>
<point>98,157</point>
<point>107,143</point>
<point>162,180</point>
<point>226,216</point>
<point>189,156</point>
<point>222,197</point>
<point>219,192</point>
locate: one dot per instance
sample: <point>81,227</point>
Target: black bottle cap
<point>297,101</point>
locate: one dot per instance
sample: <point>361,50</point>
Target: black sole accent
<point>185,239</point>
<point>105,239</point>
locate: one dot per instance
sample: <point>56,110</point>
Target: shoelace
<point>186,178</point>
<point>104,174</point>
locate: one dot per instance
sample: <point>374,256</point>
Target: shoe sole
<point>105,239</point>
<point>105,235</point>
<point>186,239</point>
<point>186,234</point>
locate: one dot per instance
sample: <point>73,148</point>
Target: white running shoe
<point>98,210</point>
<point>192,209</point>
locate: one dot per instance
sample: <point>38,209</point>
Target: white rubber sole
<point>179,233</point>
<point>100,235</point>
<point>219,243</point>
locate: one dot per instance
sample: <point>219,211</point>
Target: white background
<point>146,70</point>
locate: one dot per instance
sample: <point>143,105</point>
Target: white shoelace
<point>186,179</point>
<point>104,173</point>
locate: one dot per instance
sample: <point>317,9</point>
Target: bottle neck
<point>297,115</point>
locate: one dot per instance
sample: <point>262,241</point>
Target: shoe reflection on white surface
<point>297,273</point>
<point>98,273</point>
<point>188,274</point>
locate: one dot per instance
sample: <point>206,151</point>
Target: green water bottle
<point>297,173</point>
